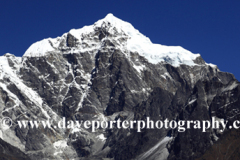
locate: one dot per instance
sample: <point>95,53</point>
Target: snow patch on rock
<point>101,137</point>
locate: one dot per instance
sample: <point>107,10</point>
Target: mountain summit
<point>109,71</point>
<point>122,34</point>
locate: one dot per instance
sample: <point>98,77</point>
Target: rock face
<point>8,152</point>
<point>110,71</point>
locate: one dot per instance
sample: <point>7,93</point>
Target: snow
<point>59,152</point>
<point>76,130</point>
<point>227,104</point>
<point>155,53</point>
<point>212,65</point>
<point>137,42</point>
<point>8,55</point>
<point>7,71</point>
<point>101,117</point>
<point>159,149</point>
<point>165,75</point>
<point>144,90</point>
<point>85,89</point>
<point>101,137</point>
<point>230,87</point>
<point>60,144</point>
<point>39,48</point>
<point>192,101</point>
<point>7,109</point>
<point>139,68</point>
<point>10,137</point>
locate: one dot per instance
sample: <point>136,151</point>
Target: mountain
<point>110,71</point>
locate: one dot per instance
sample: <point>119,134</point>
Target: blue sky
<point>208,27</point>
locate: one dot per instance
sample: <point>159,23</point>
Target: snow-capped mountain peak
<point>136,42</point>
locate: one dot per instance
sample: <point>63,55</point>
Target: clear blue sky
<point>208,27</point>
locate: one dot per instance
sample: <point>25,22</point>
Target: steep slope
<point>107,71</point>
<point>9,152</point>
